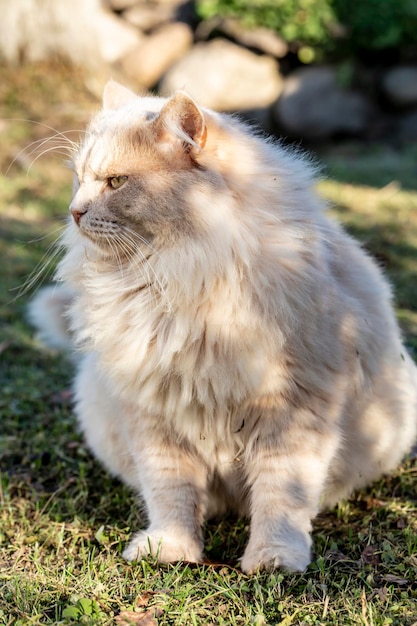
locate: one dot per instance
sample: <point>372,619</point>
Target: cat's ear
<point>181,118</point>
<point>115,96</point>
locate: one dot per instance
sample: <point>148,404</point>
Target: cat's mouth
<point>112,237</point>
<point>105,235</point>
<point>97,229</point>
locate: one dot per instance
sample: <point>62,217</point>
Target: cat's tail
<point>48,313</point>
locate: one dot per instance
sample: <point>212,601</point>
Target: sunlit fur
<point>238,349</point>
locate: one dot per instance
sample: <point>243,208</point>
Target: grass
<point>63,520</point>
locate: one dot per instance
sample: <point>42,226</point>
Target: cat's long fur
<point>240,349</point>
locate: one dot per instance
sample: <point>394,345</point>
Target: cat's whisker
<point>43,125</point>
<point>138,256</point>
<point>141,239</point>
<point>59,148</point>
<point>48,235</point>
<point>138,261</point>
<point>114,248</point>
<point>63,150</point>
<point>134,258</point>
<point>39,143</point>
<point>42,270</point>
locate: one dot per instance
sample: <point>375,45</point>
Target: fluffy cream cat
<point>239,349</point>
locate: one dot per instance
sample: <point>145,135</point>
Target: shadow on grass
<point>43,454</point>
<point>387,244</point>
<point>373,165</point>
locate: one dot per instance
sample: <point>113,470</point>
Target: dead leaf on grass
<point>374,503</point>
<point>336,555</point>
<point>142,618</point>
<point>143,599</point>
<point>396,580</point>
<point>370,556</point>
<point>382,593</point>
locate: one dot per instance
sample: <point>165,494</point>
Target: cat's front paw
<point>273,556</point>
<point>165,546</point>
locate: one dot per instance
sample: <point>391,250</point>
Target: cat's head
<point>147,172</point>
<point>166,176</point>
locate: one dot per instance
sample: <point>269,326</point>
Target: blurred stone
<point>312,105</point>
<point>116,37</point>
<point>224,76</point>
<point>82,32</point>
<point>35,30</point>
<point>146,17</point>
<point>120,5</point>
<point>407,128</point>
<point>399,85</point>
<point>156,53</point>
<point>263,39</point>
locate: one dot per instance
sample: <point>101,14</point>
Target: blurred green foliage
<point>304,20</point>
<point>326,27</point>
<point>378,24</point>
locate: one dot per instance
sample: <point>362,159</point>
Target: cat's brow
<point>82,164</point>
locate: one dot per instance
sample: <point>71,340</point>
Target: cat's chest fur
<point>193,366</point>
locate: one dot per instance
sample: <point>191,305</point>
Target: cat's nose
<point>77,213</point>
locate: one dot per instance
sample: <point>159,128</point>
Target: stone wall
<point>160,45</point>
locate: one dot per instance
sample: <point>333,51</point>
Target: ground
<point>64,521</point>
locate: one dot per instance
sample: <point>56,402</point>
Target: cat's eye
<point>116,181</point>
